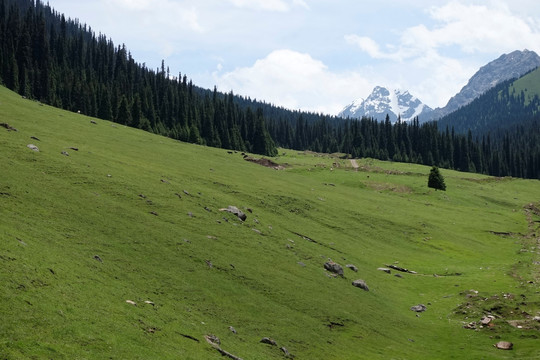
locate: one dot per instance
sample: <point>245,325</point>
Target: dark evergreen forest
<point>58,61</point>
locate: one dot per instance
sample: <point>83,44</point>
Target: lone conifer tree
<point>436,180</point>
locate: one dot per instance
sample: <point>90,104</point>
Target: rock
<point>536,318</point>
<point>398,275</point>
<point>209,263</point>
<point>360,284</point>
<point>34,138</point>
<point>8,127</point>
<point>33,147</point>
<point>131,302</point>
<point>233,330</point>
<point>74,148</point>
<point>65,153</point>
<point>190,214</point>
<point>504,345</point>
<point>352,267</point>
<point>267,340</point>
<point>386,270</point>
<point>471,325</point>
<point>486,320</point>
<point>213,339</point>
<point>96,257</point>
<point>186,192</point>
<point>334,268</point>
<point>93,122</point>
<point>419,308</point>
<point>149,302</point>
<point>285,352</point>
<point>234,210</point>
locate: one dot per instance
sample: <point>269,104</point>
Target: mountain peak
<point>506,67</point>
<point>384,101</point>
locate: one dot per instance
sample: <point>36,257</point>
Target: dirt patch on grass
<point>265,162</point>
<point>402,189</point>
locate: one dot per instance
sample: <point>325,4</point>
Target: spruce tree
<point>436,180</point>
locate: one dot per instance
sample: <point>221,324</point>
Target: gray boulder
<point>419,308</point>
<point>352,267</point>
<point>334,268</point>
<point>360,284</point>
<point>234,210</point>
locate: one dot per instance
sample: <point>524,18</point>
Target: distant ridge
<point>506,67</point>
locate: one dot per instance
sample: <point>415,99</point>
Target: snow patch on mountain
<point>381,102</point>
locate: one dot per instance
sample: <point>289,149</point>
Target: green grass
<point>57,212</point>
<point>529,84</point>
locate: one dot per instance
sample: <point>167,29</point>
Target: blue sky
<point>317,55</point>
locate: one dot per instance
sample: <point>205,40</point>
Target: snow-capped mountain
<point>506,67</point>
<point>382,101</point>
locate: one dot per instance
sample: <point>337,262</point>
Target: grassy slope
<point>529,84</point>
<point>58,212</point>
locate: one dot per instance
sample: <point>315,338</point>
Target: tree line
<point>59,61</point>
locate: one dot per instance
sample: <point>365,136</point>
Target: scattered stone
<point>257,231</point>
<point>149,302</point>
<point>334,268</point>
<point>301,264</point>
<point>74,148</point>
<point>211,237</point>
<point>419,308</point>
<point>207,209</point>
<point>536,318</point>
<point>34,138</point>
<point>267,340</point>
<point>386,270</point>
<point>486,320</point>
<point>190,214</point>
<point>154,213</point>
<point>215,342</point>
<point>96,257</point>
<point>234,210</point>
<point>360,284</point>
<point>352,267</point>
<point>33,147</point>
<point>285,352</point>
<point>8,127</point>
<point>142,196</point>
<point>179,196</point>
<point>186,192</point>
<point>209,263</point>
<point>164,181</point>
<point>504,345</point>
<point>93,122</point>
<point>471,326</point>
<point>233,330</point>
<point>400,269</point>
<point>131,302</point>
<point>399,276</point>
<point>65,153</point>
<point>213,339</point>
<point>249,210</point>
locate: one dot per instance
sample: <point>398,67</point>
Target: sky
<point>316,55</point>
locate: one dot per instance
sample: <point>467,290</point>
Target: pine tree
<point>436,180</point>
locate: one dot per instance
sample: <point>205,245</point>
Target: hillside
<point>506,68</point>
<point>134,216</point>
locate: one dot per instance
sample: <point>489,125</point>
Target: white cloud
<point>427,58</point>
<point>294,80</point>
<point>472,28</point>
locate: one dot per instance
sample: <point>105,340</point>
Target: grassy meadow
<point>134,216</point>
